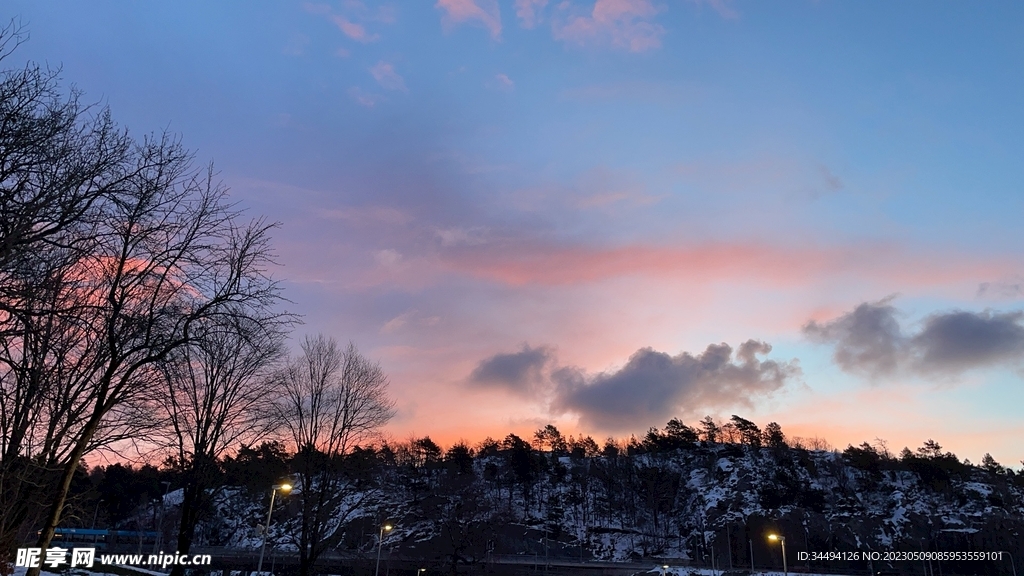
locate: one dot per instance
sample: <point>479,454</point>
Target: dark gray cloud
<point>870,340</point>
<point>867,340</point>
<point>958,341</point>
<point>654,386</point>
<point>519,372</point>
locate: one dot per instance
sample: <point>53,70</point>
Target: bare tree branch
<point>332,400</point>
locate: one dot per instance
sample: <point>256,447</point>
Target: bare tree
<point>333,400</point>
<point>60,164</point>
<point>50,356</point>
<point>218,396</point>
<point>58,158</point>
<point>172,254</point>
<point>114,254</point>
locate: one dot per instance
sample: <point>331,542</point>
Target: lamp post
<point>420,571</point>
<point>380,542</point>
<point>781,539</point>
<point>96,513</point>
<point>1012,566</point>
<point>284,488</point>
<point>159,540</point>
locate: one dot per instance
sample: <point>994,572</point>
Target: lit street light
<point>284,488</point>
<point>380,541</point>
<point>420,571</point>
<point>781,539</point>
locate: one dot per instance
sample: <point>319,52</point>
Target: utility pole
<point>713,563</point>
<point>728,541</point>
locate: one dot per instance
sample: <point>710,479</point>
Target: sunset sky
<point>603,214</point>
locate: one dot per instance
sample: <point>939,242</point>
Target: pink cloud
<point>483,12</point>
<point>354,31</point>
<point>567,265</point>
<point>551,265</point>
<point>362,97</point>
<point>500,82</point>
<point>527,10</point>
<point>625,24</point>
<point>385,75</point>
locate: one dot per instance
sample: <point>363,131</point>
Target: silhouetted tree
<point>427,451</point>
<point>551,440</point>
<point>333,399</point>
<point>709,430</point>
<point>218,395</point>
<point>257,468</point>
<point>459,458</point>
<point>773,436</point>
<point>749,433</point>
<point>584,447</point>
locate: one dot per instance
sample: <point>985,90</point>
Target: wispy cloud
<point>362,97</point>
<point>500,82</point>
<point>528,11</point>
<point>388,258</point>
<point>385,75</point>
<point>408,319</point>
<point>1008,288</point>
<point>354,31</point>
<point>459,236</point>
<point>531,261</point>
<point>351,21</point>
<point>482,12</point>
<point>623,24</point>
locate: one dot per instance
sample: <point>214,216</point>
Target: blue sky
<point>552,187</point>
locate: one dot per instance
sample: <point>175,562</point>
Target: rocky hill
<point>709,503</point>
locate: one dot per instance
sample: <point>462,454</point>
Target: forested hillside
<point>711,496</point>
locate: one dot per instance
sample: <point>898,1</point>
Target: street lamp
<point>96,513</point>
<point>1012,566</point>
<point>664,570</point>
<point>782,539</point>
<point>420,571</point>
<point>380,541</point>
<point>284,488</point>
<point>159,540</point>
